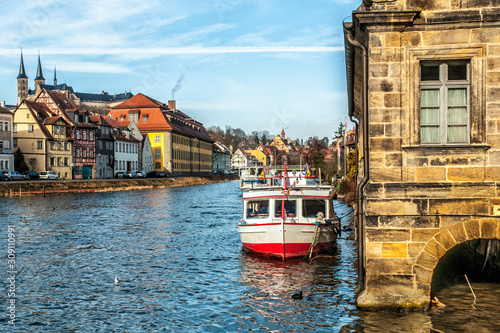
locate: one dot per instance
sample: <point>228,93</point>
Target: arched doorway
<point>469,248</point>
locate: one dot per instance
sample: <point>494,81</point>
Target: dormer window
<point>76,117</point>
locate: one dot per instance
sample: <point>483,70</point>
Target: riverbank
<point>47,187</point>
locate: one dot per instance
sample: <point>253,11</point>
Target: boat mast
<point>283,213</point>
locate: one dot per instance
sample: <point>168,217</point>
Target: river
<point>178,258</point>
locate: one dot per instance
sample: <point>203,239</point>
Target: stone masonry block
<point>494,157</point>
<point>493,79</point>
<point>394,250</point>
<point>384,55</point>
<point>446,37</point>
<point>372,221</point>
<point>472,229</point>
<point>394,285</point>
<point>492,173</point>
<point>417,162</point>
<point>376,159</point>
<point>379,70</point>
<point>493,94</point>
<point>376,100</point>
<point>392,100</point>
<point>376,130</point>
<point>373,250</point>
<point>423,275</point>
<point>414,249</point>
<point>489,229</point>
<point>444,238</point>
<point>431,174</point>
<point>385,207</point>
<point>392,159</point>
<point>392,39</point>
<point>423,222</point>
<point>458,207</point>
<point>411,39</point>
<point>457,231</point>
<point>392,130</point>
<point>493,63</point>
<point>489,36</point>
<point>426,260</point>
<point>464,174</point>
<point>434,248</point>
<point>385,115</point>
<point>385,85</point>
<point>387,235</point>
<point>383,175</point>
<point>493,50</point>
<point>390,266</point>
<point>385,144</point>
<point>423,235</point>
<point>494,139</point>
<point>409,174</point>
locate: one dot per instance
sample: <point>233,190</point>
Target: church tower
<point>39,79</point>
<point>22,82</point>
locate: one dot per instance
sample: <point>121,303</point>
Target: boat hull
<point>288,240</point>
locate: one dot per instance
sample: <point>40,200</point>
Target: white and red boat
<point>291,216</point>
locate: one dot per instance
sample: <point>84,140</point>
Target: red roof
<point>159,117</point>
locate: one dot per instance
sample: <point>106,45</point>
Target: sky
<point>250,64</point>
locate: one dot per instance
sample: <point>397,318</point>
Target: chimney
<point>171,105</point>
<point>2,104</point>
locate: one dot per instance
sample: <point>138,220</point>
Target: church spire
<point>22,82</point>
<point>22,72</point>
<point>55,77</point>
<point>39,74</point>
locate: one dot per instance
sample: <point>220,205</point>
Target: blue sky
<point>256,64</point>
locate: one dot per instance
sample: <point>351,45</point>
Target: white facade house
<point>126,151</point>
<point>241,160</point>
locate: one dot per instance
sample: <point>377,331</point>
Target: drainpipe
<point>366,161</point>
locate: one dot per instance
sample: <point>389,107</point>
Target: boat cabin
<point>260,207</point>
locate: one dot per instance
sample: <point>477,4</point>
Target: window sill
<point>448,147</point>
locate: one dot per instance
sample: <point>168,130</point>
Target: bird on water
<point>116,280</point>
<point>298,295</point>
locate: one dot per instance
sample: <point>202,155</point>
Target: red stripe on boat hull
<point>293,250</point>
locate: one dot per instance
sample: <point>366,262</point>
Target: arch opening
<point>477,259</point>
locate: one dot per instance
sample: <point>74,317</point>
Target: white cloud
<point>91,67</point>
<point>178,50</point>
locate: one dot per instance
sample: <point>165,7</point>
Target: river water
<point>178,258</point>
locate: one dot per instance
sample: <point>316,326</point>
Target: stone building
<point>424,86</point>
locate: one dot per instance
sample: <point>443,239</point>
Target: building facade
<point>221,158</point>
<point>104,147</point>
<point>423,84</point>
<point>180,144</point>
<point>6,138</point>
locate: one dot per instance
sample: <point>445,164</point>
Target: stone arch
<point>447,238</point>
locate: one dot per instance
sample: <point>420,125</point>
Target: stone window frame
<point>477,112</point>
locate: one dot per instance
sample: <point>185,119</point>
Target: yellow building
<point>261,156</point>
<point>180,144</point>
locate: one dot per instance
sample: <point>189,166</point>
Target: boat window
<point>312,207</point>
<point>290,208</point>
<point>258,209</point>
